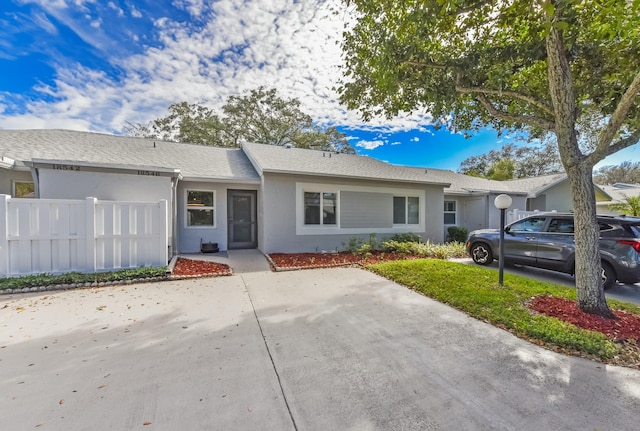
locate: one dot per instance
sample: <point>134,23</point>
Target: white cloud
<point>135,12</point>
<point>116,8</point>
<point>415,139</point>
<point>369,145</point>
<point>194,7</point>
<point>233,46</point>
<point>396,143</point>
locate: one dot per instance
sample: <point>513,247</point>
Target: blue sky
<point>95,64</point>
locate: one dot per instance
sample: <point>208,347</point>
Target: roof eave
<point>355,177</point>
<point>202,179</point>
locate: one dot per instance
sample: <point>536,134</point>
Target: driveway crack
<point>273,364</point>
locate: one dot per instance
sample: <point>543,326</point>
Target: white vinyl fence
<point>515,215</point>
<point>59,235</point>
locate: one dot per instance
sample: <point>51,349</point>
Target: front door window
<point>242,219</point>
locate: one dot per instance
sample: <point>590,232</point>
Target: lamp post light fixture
<point>502,202</point>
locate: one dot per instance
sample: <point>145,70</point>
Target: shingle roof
<point>533,185</point>
<point>193,161</point>
<point>620,194</point>
<point>270,158</point>
<point>215,163</point>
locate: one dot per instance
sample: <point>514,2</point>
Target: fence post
<point>90,214</point>
<point>4,234</point>
<point>164,232</point>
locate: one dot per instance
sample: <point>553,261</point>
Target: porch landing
<point>240,261</point>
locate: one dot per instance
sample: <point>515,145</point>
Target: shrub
<point>406,237</point>
<point>458,233</point>
<point>426,250</point>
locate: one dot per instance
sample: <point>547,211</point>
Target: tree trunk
<point>589,289</point>
<point>588,270</point>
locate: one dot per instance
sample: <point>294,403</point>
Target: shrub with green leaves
<point>426,249</point>
<point>406,237</point>
<point>457,233</point>
<point>81,278</point>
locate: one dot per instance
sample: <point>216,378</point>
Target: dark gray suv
<point>545,240</point>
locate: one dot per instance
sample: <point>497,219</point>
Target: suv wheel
<point>608,276</point>
<point>481,254</point>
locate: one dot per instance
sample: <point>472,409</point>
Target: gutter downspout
<point>174,215</point>
<point>36,182</point>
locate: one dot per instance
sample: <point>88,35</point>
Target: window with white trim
<point>320,208</point>
<point>200,208</point>
<point>406,210</point>
<point>449,212</point>
<point>23,189</point>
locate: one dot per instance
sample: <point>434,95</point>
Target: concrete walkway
<point>241,261</point>
<point>329,349</point>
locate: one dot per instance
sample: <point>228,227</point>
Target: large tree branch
<point>532,121</point>
<point>603,146</point>
<point>514,94</point>
<point>621,144</point>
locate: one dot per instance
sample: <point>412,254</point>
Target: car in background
<point>546,241</point>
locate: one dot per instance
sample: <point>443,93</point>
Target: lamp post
<point>502,202</point>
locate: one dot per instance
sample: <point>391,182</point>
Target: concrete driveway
<point>333,349</point>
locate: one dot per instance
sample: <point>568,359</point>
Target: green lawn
<point>475,290</point>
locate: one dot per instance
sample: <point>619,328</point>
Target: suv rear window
<point>635,228</point>
<point>560,225</point>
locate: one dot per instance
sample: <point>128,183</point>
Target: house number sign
<point>66,167</point>
<point>149,173</point>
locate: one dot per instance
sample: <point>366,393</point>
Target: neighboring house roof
<point>193,161</point>
<point>536,185</point>
<point>297,161</point>
<point>620,194</point>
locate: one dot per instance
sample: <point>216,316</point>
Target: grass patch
<point>476,291</point>
<point>80,278</point>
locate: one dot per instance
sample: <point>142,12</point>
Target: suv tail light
<point>632,242</point>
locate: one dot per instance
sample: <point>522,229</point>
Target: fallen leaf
<point>40,424</point>
<point>146,423</point>
<point>102,386</point>
<point>101,307</point>
<point>20,308</point>
<point>61,402</point>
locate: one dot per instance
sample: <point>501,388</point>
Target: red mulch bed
<point>627,327</point>
<point>190,267</point>
<point>326,260</point>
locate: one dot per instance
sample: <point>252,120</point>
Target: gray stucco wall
<point>189,236</point>
<point>559,198</point>
<point>282,232</point>
<point>472,212</point>
<point>56,184</point>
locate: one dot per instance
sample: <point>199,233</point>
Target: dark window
<point>200,208</point>
<point>449,212</point>
<point>533,224</point>
<point>561,225</point>
<point>406,210</point>
<point>320,208</point>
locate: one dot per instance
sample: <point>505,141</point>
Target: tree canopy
<point>625,172</point>
<point>261,116</point>
<point>543,66</point>
<point>511,162</point>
